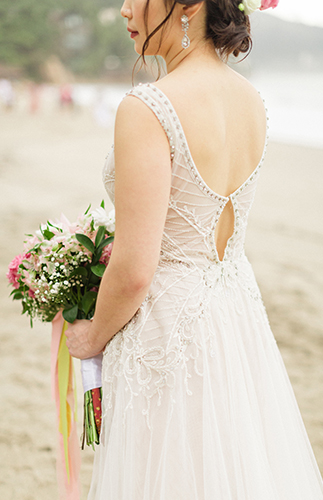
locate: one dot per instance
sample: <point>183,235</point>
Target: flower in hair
<point>249,6</point>
<point>266,4</point>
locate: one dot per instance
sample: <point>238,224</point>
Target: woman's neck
<point>196,53</point>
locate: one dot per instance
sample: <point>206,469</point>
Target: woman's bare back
<point>224,121</point>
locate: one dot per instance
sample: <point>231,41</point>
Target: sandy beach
<point>50,162</point>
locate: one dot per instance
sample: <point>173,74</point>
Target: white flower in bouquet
<point>101,218</point>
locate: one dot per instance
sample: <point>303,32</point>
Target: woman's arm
<point>142,188</point>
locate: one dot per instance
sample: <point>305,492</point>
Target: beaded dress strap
<point>153,100</point>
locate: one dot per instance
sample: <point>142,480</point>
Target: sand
<point>51,162</point>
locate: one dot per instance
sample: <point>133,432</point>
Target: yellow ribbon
<point>64,369</point>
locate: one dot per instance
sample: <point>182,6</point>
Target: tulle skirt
<point>213,418</point>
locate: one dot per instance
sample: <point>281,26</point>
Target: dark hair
<point>226,26</point>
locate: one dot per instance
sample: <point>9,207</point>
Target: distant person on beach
<point>66,96</point>
<point>34,94</point>
<point>197,404</point>
<point>6,94</point>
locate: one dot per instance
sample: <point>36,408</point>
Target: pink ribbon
<point>69,456</point>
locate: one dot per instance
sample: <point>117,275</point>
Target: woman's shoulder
<point>136,123</point>
<point>144,108</point>
<point>134,109</point>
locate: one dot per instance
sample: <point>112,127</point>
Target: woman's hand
<point>77,340</point>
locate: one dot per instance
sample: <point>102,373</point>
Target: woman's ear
<point>192,10</point>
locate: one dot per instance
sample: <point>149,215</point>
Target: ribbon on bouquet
<point>69,459</point>
<point>91,369</point>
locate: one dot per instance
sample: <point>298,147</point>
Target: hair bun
<point>228,27</point>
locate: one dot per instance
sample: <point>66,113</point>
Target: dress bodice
<point>194,209</point>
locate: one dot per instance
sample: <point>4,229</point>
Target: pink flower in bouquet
<point>84,222</point>
<point>13,273</point>
<point>30,243</point>
<point>29,280</point>
<point>64,224</point>
<point>34,263</point>
<point>106,254</point>
<point>267,4</point>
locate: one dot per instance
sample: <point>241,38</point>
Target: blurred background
<point>64,67</point>
<point>77,54</point>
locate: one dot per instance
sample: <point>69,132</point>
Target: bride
<point>197,404</point>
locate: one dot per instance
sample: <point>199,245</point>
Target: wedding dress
<point>197,404</point>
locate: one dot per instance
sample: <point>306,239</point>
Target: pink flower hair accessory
<point>267,4</point>
<point>250,6</point>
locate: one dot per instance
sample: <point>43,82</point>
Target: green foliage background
<point>33,30</point>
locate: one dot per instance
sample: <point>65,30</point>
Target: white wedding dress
<point>197,404</point>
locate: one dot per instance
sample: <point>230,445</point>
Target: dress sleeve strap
<point>150,96</point>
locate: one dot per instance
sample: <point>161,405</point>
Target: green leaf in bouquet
<point>35,248</point>
<point>98,270</point>
<point>85,241</point>
<point>48,235</point>
<point>88,302</point>
<point>24,308</point>
<point>87,210</point>
<point>70,313</point>
<point>100,235</point>
<point>17,295</point>
<point>94,281</point>
<point>55,227</point>
<point>105,242</point>
<point>98,251</point>
<point>102,204</point>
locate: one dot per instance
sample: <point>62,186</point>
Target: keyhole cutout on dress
<point>224,229</point>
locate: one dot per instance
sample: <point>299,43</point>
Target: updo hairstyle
<point>227,27</point>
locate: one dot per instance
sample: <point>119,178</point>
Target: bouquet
<point>57,278</point>
<point>62,266</point>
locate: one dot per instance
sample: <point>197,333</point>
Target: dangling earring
<point>185,25</point>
